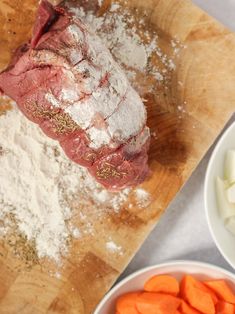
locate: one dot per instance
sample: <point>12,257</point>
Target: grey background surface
<point>182,233</point>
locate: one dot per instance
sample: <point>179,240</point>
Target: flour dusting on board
<point>113,247</point>
<point>39,186</point>
<point>142,197</point>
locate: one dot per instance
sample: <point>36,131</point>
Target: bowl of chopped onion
<point>219,195</point>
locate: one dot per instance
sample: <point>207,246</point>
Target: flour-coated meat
<point>67,81</point>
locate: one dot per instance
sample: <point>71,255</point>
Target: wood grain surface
<point>206,72</point>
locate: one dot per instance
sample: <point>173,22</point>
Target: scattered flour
<point>57,275</point>
<point>142,197</point>
<point>76,233</point>
<point>113,247</point>
<point>114,7</point>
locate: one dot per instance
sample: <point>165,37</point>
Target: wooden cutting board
<point>204,81</point>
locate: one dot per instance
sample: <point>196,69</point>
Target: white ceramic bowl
<point>136,281</point>
<point>224,240</point>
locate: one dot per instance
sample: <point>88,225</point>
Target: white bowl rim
<point>206,186</point>
<point>157,266</point>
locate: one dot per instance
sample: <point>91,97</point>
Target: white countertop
<point>182,232</point>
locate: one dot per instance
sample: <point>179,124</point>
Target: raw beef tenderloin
<point>66,81</point>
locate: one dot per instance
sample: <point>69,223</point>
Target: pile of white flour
<point>36,182</point>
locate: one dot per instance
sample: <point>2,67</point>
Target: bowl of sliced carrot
<point>181,287</point>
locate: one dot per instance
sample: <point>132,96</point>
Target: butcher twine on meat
<point>66,81</point>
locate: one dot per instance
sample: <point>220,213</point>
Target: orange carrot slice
<point>222,289</point>
<point>197,298</point>
<point>199,285</point>
<point>126,304</point>
<point>204,288</point>
<point>185,308</point>
<point>224,308</point>
<point>162,283</point>
<point>157,303</point>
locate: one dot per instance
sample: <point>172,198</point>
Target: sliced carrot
<point>199,285</point>
<point>185,308</point>
<point>207,290</point>
<point>197,298</point>
<point>224,308</point>
<point>157,303</point>
<point>126,304</point>
<point>222,289</point>
<point>163,283</point>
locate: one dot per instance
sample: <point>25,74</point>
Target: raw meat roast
<point>66,81</point>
